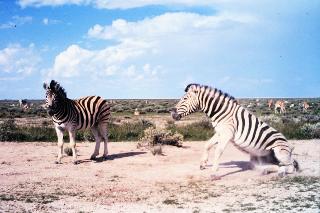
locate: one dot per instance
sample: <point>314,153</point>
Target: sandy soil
<point>133,180</point>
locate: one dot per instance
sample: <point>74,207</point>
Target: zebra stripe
<point>82,113</point>
<point>250,134</point>
<point>67,114</point>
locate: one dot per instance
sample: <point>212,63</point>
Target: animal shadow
<point>243,165</point>
<point>118,155</point>
<point>111,157</point>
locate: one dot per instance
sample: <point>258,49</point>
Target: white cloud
<point>76,61</point>
<point>230,5</point>
<point>41,3</point>
<point>148,50</point>
<point>16,21</point>
<point>231,49</point>
<point>45,21</point>
<point>167,24</point>
<point>18,61</point>
<point>115,4</point>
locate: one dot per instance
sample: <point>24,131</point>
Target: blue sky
<point>153,49</point>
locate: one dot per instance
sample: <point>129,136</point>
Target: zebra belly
<point>251,150</point>
<point>65,126</point>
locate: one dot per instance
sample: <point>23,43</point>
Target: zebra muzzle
<point>50,112</point>
<point>175,115</point>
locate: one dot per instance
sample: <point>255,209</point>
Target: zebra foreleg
<point>59,132</point>
<point>97,138</point>
<point>225,135</point>
<point>208,146</point>
<point>72,135</point>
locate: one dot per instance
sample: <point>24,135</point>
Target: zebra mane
<point>209,88</point>
<point>56,88</point>
<point>189,85</point>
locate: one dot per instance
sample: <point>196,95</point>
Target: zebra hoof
<point>57,162</point>
<point>281,174</point>
<point>93,158</point>
<point>75,162</point>
<point>265,172</point>
<point>202,167</point>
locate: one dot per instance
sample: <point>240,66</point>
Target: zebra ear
<point>53,85</point>
<point>45,85</point>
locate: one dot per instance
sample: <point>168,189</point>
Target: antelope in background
<point>281,105</point>
<point>270,102</point>
<point>24,104</point>
<point>305,106</point>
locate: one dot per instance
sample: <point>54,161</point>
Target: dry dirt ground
<point>133,180</point>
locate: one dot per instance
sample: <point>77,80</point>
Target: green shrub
<point>154,136</point>
<point>127,131</point>
<point>9,131</point>
<point>299,130</point>
<point>310,131</point>
<point>201,130</point>
<point>39,134</point>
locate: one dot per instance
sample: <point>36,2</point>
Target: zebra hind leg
<point>97,137</point>
<point>72,135</point>
<point>266,164</point>
<point>104,135</point>
<point>286,164</point>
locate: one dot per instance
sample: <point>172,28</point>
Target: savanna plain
<point>135,178</point>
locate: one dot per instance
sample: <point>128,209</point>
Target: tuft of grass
<point>303,180</point>
<point>68,151</point>
<point>5,197</point>
<point>156,150</point>
<point>169,201</point>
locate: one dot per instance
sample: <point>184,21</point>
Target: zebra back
<point>91,110</point>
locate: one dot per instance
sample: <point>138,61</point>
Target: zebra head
<point>188,104</point>
<point>54,94</point>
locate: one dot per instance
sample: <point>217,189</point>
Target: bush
<point>9,131</point>
<point>299,130</point>
<point>154,136</point>
<point>201,130</point>
<point>84,135</point>
<point>310,131</point>
<point>128,131</point>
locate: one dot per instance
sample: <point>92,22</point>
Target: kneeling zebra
<point>89,112</point>
<point>233,123</point>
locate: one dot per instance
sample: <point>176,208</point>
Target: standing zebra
<point>233,123</point>
<point>89,112</point>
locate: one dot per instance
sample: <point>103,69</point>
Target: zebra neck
<point>62,113</point>
<point>217,106</point>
